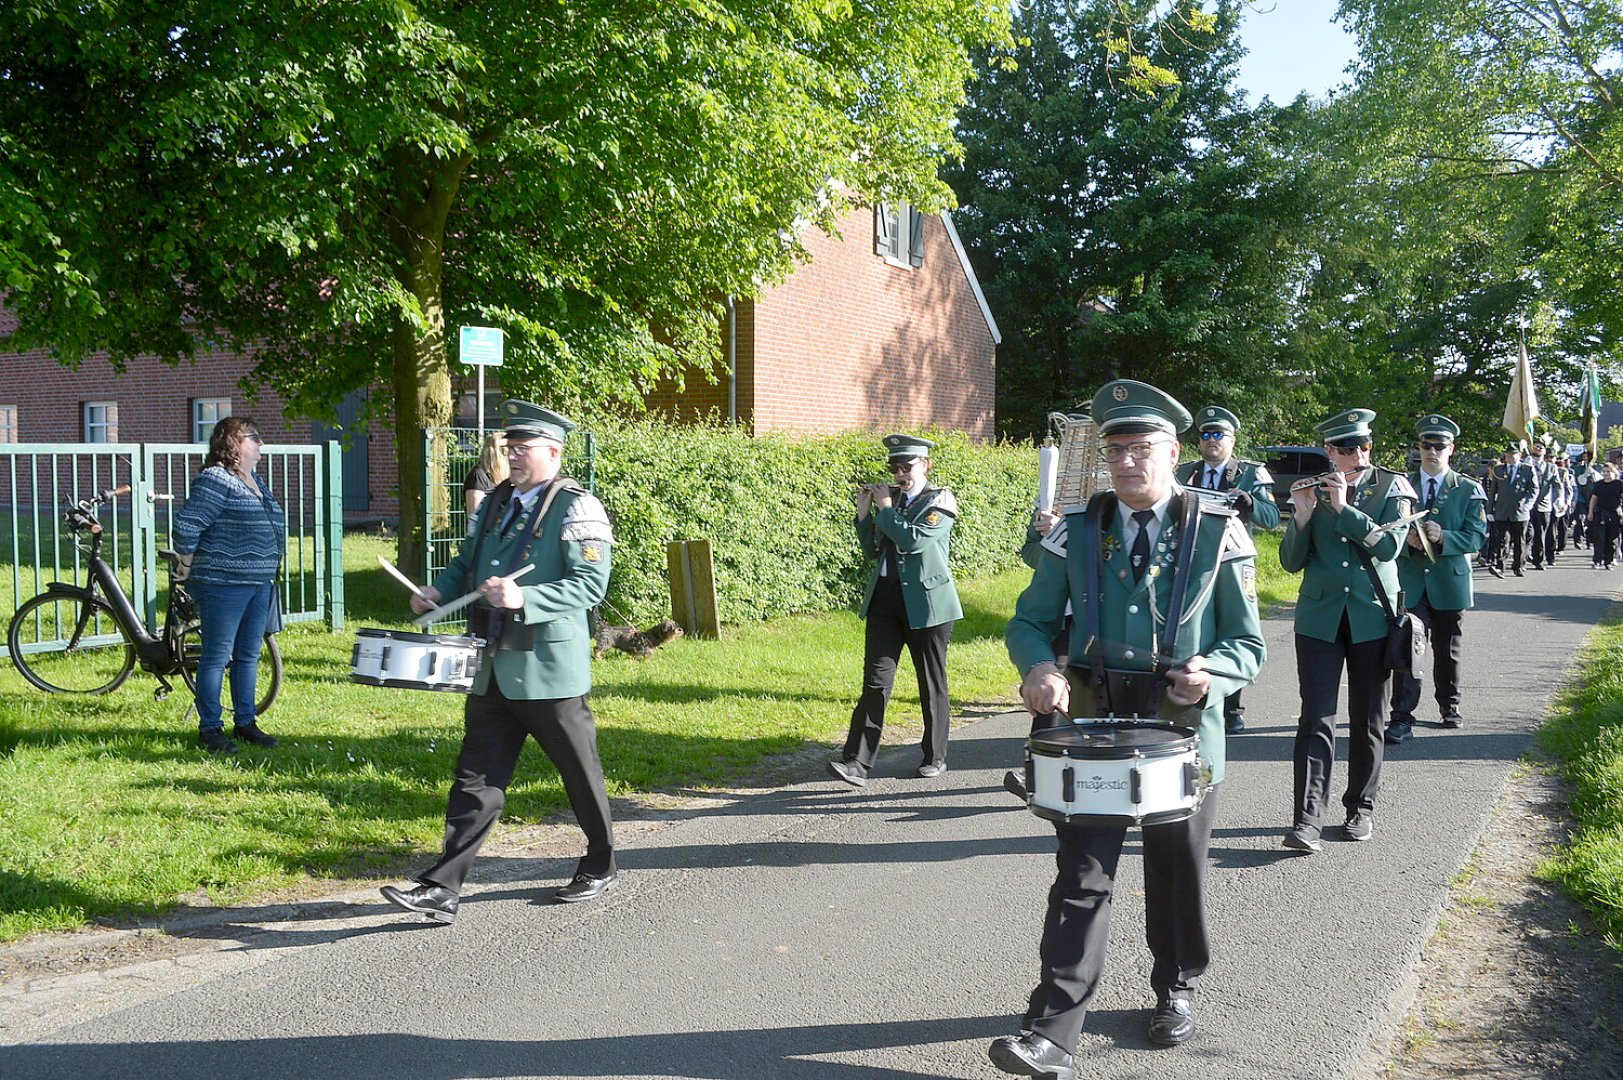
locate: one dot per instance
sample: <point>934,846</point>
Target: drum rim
<point>414,638</point>
<point>1184,739</point>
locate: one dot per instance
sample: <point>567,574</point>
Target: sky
<point>1294,46</point>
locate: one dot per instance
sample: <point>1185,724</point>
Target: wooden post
<point>693,588</point>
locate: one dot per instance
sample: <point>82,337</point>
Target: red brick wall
<point>154,405</point>
<point>852,341</point>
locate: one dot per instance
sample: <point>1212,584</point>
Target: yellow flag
<point>1521,407</point>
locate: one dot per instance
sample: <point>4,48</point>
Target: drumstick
<point>402,578</point>
<point>463,601</point>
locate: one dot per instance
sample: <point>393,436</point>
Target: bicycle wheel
<point>69,644</point>
<point>268,684</point>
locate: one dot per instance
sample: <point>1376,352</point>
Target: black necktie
<point>1431,491</point>
<point>1211,478</point>
<point>1141,543</point>
<point>514,506</point>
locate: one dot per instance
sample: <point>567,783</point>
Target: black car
<point>1288,464</point>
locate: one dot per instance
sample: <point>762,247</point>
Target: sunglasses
<point>1214,435</point>
<point>1344,451</point>
<point>1437,446</point>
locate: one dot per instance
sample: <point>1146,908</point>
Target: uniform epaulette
<point>942,499</point>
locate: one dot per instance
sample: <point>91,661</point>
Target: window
<point>101,421</point>
<point>8,423</point>
<point>898,231</point>
<point>206,412</point>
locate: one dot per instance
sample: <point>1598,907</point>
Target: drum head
<point>408,637</point>
<point>1118,739</point>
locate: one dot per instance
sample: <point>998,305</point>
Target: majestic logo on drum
<point>1100,783</point>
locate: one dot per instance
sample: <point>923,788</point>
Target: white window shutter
<point>884,230</point>
<point>915,243</point>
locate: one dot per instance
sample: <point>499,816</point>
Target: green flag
<point>1591,397</point>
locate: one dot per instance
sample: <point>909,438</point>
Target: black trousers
<point>1445,632</point>
<point>1580,522</point>
<point>885,635</point>
<point>1318,677</point>
<point>493,732</point>
<point>1076,930</point>
<point>1502,534</point>
<point>1603,535</point>
<point>1543,536</point>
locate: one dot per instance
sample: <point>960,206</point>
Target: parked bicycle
<point>87,639</point>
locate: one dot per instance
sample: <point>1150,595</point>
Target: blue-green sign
<point>482,346</point>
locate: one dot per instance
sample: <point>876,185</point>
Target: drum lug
<point>1067,793</point>
<point>1135,786</point>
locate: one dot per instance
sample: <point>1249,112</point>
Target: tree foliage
<point>333,184</point>
<point>1124,233</point>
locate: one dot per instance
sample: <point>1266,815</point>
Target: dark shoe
<point>215,741</point>
<point>1453,720</point>
<point>1173,1022</point>
<point>1360,826</point>
<point>1518,573</point>
<point>587,887</point>
<point>1032,1055</point>
<point>1399,732</point>
<point>931,769</point>
<point>1496,572</point>
<point>850,772</point>
<point>252,734</point>
<point>1303,838</point>
<point>1535,566</point>
<point>435,901</point>
<point>1234,723</point>
<point>1014,784</point>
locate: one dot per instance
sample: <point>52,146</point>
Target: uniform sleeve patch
<point>1248,581</point>
<point>592,553</point>
<point>932,518</point>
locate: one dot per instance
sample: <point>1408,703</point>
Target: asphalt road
<point>813,932</point>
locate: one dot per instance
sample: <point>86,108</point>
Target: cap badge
<point>1120,393</point>
<point>1352,418</point>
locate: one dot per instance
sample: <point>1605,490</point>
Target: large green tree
<point>333,184</point>
<point>1126,228</point>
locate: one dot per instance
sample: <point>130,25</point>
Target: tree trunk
<point>422,376</point>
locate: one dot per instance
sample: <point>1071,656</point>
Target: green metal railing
<point>38,479</point>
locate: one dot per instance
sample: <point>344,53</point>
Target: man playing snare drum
<point>536,670</point>
<point>1145,549</point>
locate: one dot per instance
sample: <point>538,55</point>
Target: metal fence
<point>38,479</point>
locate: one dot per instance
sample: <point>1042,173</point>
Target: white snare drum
<point>415,661</point>
<point>1114,773</point>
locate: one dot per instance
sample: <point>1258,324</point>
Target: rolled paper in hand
<point>1047,477</point>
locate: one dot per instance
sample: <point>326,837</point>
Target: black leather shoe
<point>1496,572</point>
<point>1014,784</point>
<point>1234,723</point>
<point>435,901</point>
<point>932,769</point>
<point>1399,732</point>
<point>1453,720</point>
<point>587,887</point>
<point>850,772</point>
<point>1172,1022</point>
<point>216,741</point>
<point>252,734</point>
<point>1032,1055</point>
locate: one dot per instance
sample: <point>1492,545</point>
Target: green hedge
<point>778,512</point>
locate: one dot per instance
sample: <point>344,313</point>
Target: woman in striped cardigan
<point>230,535</point>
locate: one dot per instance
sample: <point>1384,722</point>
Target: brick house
<point>884,327</point>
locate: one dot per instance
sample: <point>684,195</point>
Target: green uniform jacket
<point>1461,511</point>
<point>570,551</point>
<point>1334,582</point>
<point>1220,608</point>
<point>919,538</point>
<point>1251,477</point>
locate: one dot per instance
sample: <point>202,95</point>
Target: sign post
<point>482,347</point>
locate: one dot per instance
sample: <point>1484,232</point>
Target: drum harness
<point>1098,513</point>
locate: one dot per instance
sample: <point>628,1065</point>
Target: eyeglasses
<point>521,449</point>
<point>1117,452</point>
<point>1435,446</point>
<point>1214,435</point>
<point>903,466</point>
<point>1345,451</point>
<point>254,436</point>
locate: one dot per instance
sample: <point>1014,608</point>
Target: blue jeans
<point>233,631</point>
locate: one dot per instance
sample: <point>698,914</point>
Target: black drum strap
<point>1182,571</point>
<point>1094,520</point>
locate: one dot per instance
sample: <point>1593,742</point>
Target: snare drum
<point>1114,773</point>
<point>415,661</point>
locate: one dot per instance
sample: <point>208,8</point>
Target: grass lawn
<point>108,809</point>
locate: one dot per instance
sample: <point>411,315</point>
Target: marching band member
<point>1142,537</point>
<point>1335,542</point>
<point>537,670</point>
<point>1437,581</point>
<point>1253,487</point>
<point>911,601</point>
